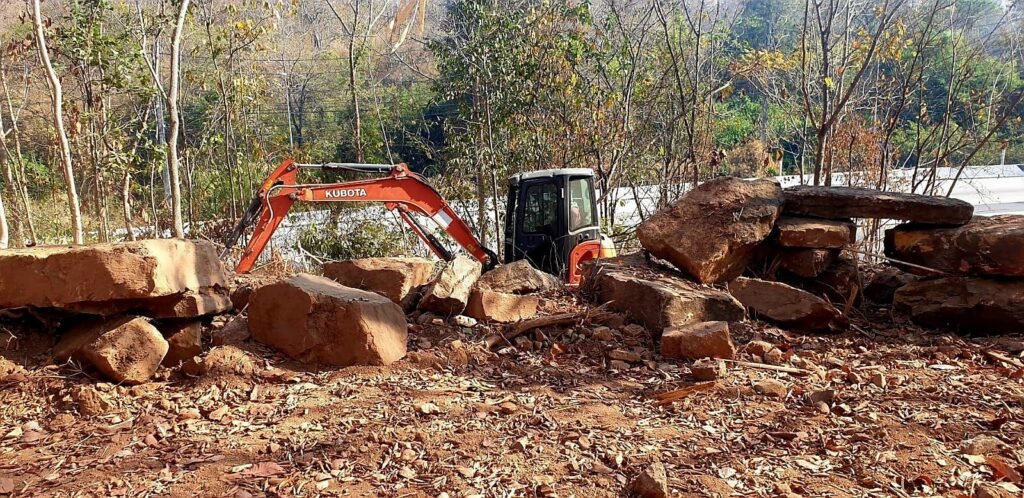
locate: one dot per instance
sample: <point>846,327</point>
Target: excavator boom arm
<point>400,190</point>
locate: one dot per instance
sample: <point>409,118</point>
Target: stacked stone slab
<point>509,293</point>
<point>816,227</point>
<point>142,300</point>
<point>976,277</point>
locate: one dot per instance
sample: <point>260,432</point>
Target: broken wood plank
<point>596,314</point>
<point>678,394</point>
<point>774,368</point>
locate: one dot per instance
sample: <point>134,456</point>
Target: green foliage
<point>366,239</point>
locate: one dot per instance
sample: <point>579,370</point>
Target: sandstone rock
<point>501,307</point>
<point>707,370</point>
<point>464,321</point>
<point>127,349</point>
<point>992,491</point>
<point>985,246</point>
<point>855,202</point>
<point>983,445</point>
<point>449,293</point>
<point>967,304</point>
<point>780,303</point>
<point>803,262</point>
<point>818,233</point>
<point>712,231</point>
<point>184,340</point>
<point>881,287</point>
<point>771,388</point>
<point>393,278</point>
<point>652,482</point>
<point>519,277</point>
<point>189,304</point>
<point>654,297</point>
<point>99,273</point>
<point>8,368</point>
<point>90,402</point>
<point>317,320</point>
<point>698,340</point>
<point>227,360</point>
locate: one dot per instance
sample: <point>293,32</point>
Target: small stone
<point>822,396</point>
<point>652,482</point>
<point>771,388</point>
<point>696,341</point>
<point>508,408</point>
<point>90,402</point>
<point>759,348</point>
<point>707,370</point>
<point>774,357</point>
<point>983,445</point>
<point>603,334</point>
<point>624,355</point>
<point>464,321</point>
<point>618,365</point>
<point>990,491</point>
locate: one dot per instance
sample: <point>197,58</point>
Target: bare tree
<point>5,238</point>
<point>175,120</point>
<point>57,106</point>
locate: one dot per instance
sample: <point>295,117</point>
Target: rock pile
<point>976,281</point>
<point>122,308</point>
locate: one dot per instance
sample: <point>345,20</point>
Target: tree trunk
<point>5,238</point>
<point>175,119</point>
<point>57,102</point>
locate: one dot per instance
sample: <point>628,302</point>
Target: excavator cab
<point>551,220</point>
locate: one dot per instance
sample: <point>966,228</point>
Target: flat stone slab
<point>985,246</point>
<point>657,298</point>
<point>796,231</point>
<point>840,203</point>
<point>786,305</point>
<point>84,276</point>
<point>967,304</point>
<point>393,278</point>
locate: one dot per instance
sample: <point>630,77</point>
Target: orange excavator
<point>551,217</point>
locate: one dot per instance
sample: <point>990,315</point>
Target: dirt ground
<point>881,410</point>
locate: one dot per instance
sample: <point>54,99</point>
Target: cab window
<point>539,208</point>
<point>581,204</point>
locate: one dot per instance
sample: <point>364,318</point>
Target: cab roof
<point>548,173</point>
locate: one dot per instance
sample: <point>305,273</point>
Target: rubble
<point>127,349</point>
<point>968,304</point>
<point>491,306</point>
<point>712,231</point>
<point>795,231</point>
<point>128,271</point>
<point>771,388</point>
<point>989,246</point>
<point>658,299</point>
<point>780,303</point>
<point>317,320</point>
<point>393,278</point>
<point>840,282</point>
<point>698,340</point>
<point>449,293</point>
<point>841,203</point>
<point>707,370</point>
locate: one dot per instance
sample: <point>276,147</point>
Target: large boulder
<point>655,297</point>
<point>795,231</point>
<point>80,276</point>
<point>502,307</point>
<point>964,303</point>
<point>985,246</point>
<point>449,293</point>
<point>698,340</point>
<point>127,349</point>
<point>712,231</point>
<point>519,277</point>
<point>855,202</point>
<point>393,278</point>
<point>317,320</point>
<point>786,305</point>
